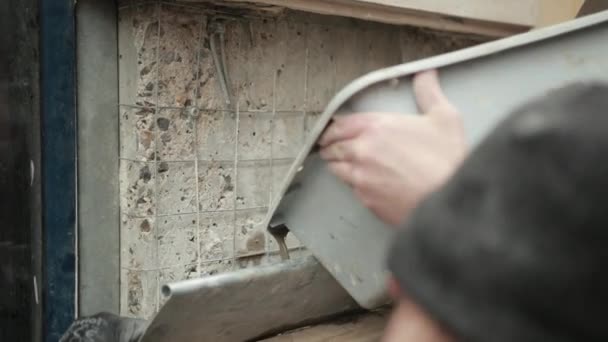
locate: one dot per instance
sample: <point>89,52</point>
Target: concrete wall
<point>197,173</point>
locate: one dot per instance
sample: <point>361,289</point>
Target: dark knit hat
<point>514,247</point>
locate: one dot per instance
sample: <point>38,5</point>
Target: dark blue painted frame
<point>58,110</point>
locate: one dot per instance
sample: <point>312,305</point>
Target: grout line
<point>194,120</point>
<point>240,210</point>
<point>271,178</point>
<point>121,15</point>
<point>156,149</point>
<point>306,66</point>
<point>236,102</point>
<point>212,162</point>
<point>258,112</point>
<point>264,221</point>
<point>155,269</point>
<point>272,127</point>
<point>121,297</point>
<point>236,182</point>
<point>209,261</point>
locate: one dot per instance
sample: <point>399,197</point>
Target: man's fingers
<point>394,289</point>
<point>346,172</point>
<point>343,170</point>
<point>344,127</point>
<point>339,151</point>
<point>429,95</point>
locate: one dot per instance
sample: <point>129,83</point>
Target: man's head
<point>514,247</point>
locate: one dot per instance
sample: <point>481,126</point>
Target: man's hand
<point>394,161</point>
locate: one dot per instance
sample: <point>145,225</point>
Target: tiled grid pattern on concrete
<point>206,137</point>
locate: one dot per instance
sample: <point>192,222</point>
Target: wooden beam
<point>593,6</point>
<point>557,11</point>
<point>513,12</point>
<point>484,17</point>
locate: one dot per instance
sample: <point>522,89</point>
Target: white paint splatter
<point>35,290</point>
<point>32,170</point>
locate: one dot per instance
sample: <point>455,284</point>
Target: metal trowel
<point>485,82</point>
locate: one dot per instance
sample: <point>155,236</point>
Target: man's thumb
<point>429,96</point>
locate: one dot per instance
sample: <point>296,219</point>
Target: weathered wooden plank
<point>557,11</point>
<point>592,6</point>
<point>454,17</point>
<point>516,12</point>
<point>406,15</point>
<point>483,17</point>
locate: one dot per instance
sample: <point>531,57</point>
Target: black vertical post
<point>20,225</point>
<point>58,109</point>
